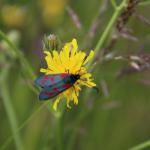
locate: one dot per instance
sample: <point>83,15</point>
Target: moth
<point>54,84</point>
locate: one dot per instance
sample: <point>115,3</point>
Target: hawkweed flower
<point>52,11</point>
<point>69,60</point>
<point>13,15</point>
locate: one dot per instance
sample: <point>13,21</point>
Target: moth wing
<point>49,80</point>
<point>52,91</point>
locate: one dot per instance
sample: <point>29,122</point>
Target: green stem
<point>19,55</point>
<point>9,109</point>
<point>59,138</point>
<point>60,128</point>
<point>108,29</point>
<point>113,2</point>
<point>141,146</point>
<point>75,130</point>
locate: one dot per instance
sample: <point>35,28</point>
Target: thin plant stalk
<point>19,55</point>
<point>59,132</point>
<point>9,110</point>
<point>75,130</point>
<point>141,146</point>
<point>108,29</point>
<point>12,117</point>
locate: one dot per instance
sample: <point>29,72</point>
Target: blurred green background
<point>116,118</point>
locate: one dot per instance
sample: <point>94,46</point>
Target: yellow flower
<point>52,11</point>
<point>69,60</point>
<point>13,15</point>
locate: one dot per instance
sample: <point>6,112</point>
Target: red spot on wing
<point>49,93</point>
<point>66,86</point>
<point>42,82</point>
<point>56,89</point>
<point>46,77</point>
<point>52,79</point>
<point>63,75</point>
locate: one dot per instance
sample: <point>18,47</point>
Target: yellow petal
<point>89,57</point>
<point>47,53</point>
<point>88,84</point>
<point>91,84</point>
<point>68,101</point>
<point>52,62</point>
<point>66,50</point>
<point>75,47</point>
<point>57,62</point>
<point>44,70</point>
<point>86,75</point>
<point>77,62</point>
<point>56,103</point>
<point>75,99</point>
<point>48,59</point>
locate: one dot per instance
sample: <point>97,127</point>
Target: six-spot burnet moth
<point>54,84</point>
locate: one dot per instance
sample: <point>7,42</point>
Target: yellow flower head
<point>69,60</point>
<point>13,15</point>
<point>52,11</point>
